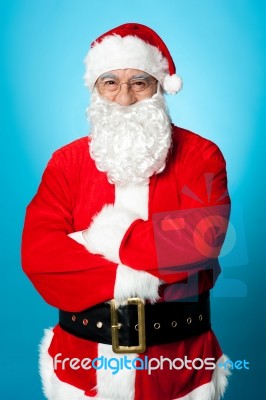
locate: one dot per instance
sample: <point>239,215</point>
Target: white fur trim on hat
<point>115,52</point>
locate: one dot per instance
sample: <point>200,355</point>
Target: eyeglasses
<point>114,85</point>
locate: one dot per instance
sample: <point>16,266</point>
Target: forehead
<point>124,74</point>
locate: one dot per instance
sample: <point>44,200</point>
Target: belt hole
<point>157,325</point>
<point>73,318</point>
<point>174,324</point>
<point>85,322</point>
<point>99,324</point>
<point>200,317</point>
<point>137,327</point>
<point>189,320</point>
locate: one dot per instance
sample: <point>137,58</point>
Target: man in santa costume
<point>123,237</point>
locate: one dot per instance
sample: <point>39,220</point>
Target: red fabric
<point>70,348</point>
<point>63,271</point>
<point>69,277</point>
<point>195,179</point>
<point>167,383</point>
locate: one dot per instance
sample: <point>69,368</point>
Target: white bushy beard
<point>129,143</point>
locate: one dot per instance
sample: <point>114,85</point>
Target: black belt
<point>130,329</point>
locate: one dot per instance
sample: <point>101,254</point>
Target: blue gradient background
<point>219,48</point>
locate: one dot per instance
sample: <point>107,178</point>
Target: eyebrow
<point>140,76</point>
<point>109,75</point>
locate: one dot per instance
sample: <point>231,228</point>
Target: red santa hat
<point>132,46</point>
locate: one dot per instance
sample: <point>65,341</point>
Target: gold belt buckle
<point>115,326</point>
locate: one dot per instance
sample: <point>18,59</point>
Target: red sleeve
<point>62,270</point>
<point>172,244</point>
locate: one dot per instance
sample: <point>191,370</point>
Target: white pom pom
<point>172,84</point>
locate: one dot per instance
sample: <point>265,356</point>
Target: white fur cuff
<point>132,283</point>
<point>105,234</point>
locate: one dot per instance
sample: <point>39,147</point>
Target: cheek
<point>147,95</point>
<point>107,96</point>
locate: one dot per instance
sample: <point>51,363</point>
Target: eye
<point>109,83</point>
<point>139,85</point>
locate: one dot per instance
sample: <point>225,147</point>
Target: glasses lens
<point>139,85</point>
<point>109,85</point>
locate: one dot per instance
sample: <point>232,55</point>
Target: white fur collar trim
<point>129,282</point>
<point>134,198</point>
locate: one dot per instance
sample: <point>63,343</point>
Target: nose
<point>125,97</point>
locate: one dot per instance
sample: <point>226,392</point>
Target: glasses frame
<point>115,92</point>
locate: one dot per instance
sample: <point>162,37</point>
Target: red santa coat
<point>71,278</point>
